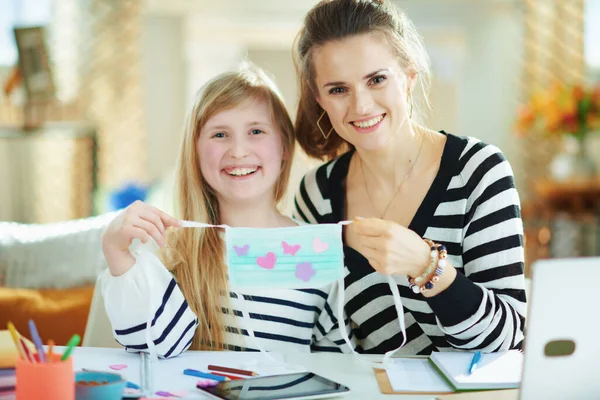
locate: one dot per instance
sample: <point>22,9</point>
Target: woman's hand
<point>391,248</point>
<point>138,221</point>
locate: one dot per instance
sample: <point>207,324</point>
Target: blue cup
<point>104,386</point>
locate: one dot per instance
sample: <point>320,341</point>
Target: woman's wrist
<point>422,259</point>
<point>438,275</point>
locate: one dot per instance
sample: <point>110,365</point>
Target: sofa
<point>48,273</point>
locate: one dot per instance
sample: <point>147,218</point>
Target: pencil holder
<point>49,380</point>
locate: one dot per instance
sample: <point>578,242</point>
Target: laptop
<point>562,342</point>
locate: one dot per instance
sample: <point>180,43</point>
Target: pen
<point>37,341</point>
<point>474,361</point>
<point>15,337</point>
<point>231,370</point>
<point>74,341</point>
<point>199,374</point>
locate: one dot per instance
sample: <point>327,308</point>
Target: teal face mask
<point>299,257</point>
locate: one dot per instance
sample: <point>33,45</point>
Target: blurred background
<point>95,93</point>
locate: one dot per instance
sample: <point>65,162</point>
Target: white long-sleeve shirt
<point>283,320</point>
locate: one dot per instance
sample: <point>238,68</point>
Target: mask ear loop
<point>399,309</point>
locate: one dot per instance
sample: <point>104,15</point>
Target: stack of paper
<point>449,372</point>
<point>494,371</point>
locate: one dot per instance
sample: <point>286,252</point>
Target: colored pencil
<point>232,377</point>
<point>231,370</point>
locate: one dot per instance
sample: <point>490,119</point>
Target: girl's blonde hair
<point>196,256</point>
<point>333,20</point>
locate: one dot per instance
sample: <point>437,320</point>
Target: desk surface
<point>342,368</point>
<point>347,370</point>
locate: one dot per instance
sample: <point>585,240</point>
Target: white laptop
<point>562,342</point>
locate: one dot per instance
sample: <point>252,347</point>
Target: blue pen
<point>474,362</point>
<point>37,341</point>
<point>199,374</point>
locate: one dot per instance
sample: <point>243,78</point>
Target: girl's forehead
<point>251,110</point>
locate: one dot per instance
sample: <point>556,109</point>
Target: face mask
<point>299,257</point>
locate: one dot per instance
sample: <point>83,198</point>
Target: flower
<point>561,109</point>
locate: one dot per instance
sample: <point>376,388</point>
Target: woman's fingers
<point>372,227</point>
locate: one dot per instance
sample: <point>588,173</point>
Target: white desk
<point>342,368</point>
<point>347,370</point>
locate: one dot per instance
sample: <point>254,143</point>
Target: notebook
<point>8,351</point>
<point>445,372</point>
<point>495,370</point>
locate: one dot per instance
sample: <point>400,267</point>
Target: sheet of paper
<point>415,375</point>
<point>495,370</point>
<point>168,374</point>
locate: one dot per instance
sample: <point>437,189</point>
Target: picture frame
<point>34,66</point>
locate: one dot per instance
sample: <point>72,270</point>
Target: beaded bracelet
<point>438,261</point>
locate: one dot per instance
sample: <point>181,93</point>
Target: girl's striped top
<point>283,320</point>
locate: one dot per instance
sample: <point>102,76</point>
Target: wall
<point>165,90</point>
<point>474,47</point>
<point>481,65</point>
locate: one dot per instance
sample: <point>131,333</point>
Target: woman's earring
<point>409,101</point>
<point>321,129</point>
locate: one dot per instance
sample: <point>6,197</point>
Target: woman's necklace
<point>381,216</point>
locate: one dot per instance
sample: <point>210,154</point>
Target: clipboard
<point>385,386</point>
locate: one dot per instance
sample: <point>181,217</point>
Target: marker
<point>15,337</point>
<point>199,374</point>
<point>74,341</point>
<point>37,341</point>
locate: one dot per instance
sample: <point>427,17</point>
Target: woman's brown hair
<point>196,256</point>
<point>332,20</point>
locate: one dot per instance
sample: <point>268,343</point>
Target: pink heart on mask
<point>319,246</point>
<point>268,261</point>
<point>117,367</point>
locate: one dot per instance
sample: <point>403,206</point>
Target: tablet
<point>304,385</point>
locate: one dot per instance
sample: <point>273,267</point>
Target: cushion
<point>57,313</point>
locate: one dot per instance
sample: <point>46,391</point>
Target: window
<point>592,36</point>
<point>19,12</point>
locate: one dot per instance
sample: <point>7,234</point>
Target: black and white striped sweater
<point>473,208</point>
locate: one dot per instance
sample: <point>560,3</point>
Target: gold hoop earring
<point>409,101</point>
<point>321,129</point>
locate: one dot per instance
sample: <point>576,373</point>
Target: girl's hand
<point>138,221</point>
<point>391,248</point>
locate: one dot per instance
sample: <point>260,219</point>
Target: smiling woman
<point>437,212</point>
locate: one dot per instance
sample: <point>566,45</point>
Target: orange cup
<point>49,381</point>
